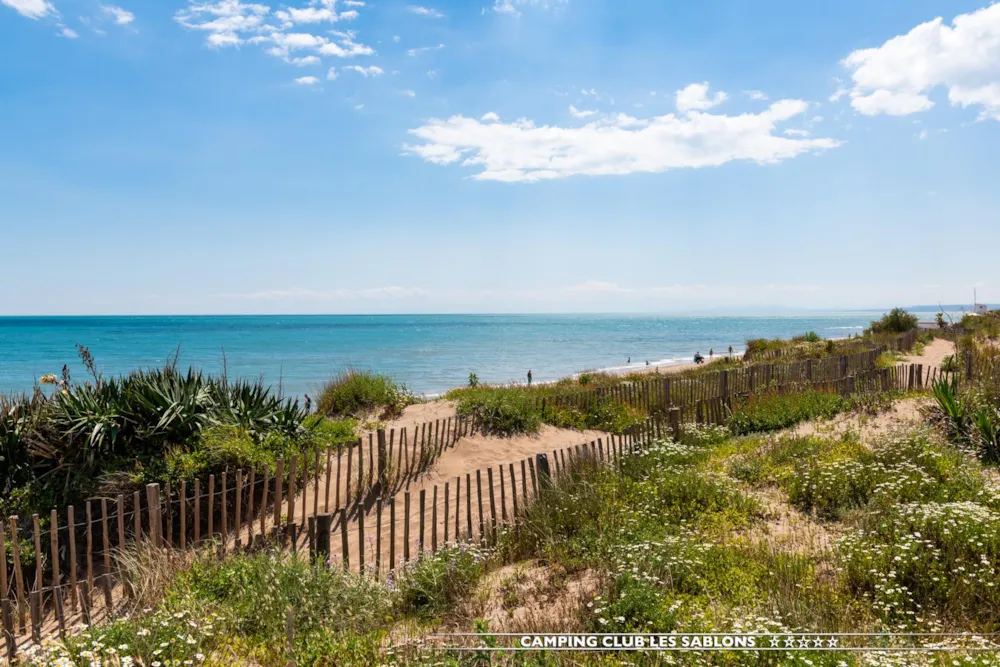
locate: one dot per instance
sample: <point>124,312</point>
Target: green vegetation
<point>684,536</point>
<point>502,411</point>
<point>111,435</point>
<point>361,393</point>
<point>770,411</point>
<point>897,320</point>
<point>971,417</point>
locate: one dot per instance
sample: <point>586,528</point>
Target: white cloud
<point>510,7</point>
<point>576,113</point>
<point>305,61</point>
<point>395,39</point>
<point>839,93</point>
<point>424,49</point>
<point>425,11</point>
<point>374,70</point>
<point>33,9</point>
<point>756,95</point>
<point>233,23</point>
<point>68,33</point>
<point>791,132</point>
<point>964,57</point>
<point>225,21</point>
<point>354,3</point>
<point>120,16</point>
<point>523,151</point>
<point>695,97</point>
<point>307,80</point>
<point>490,117</point>
<point>890,103</point>
<point>332,74</point>
<point>408,93</point>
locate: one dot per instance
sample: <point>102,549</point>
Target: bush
<point>897,320</point>
<point>359,394</point>
<point>771,412</point>
<point>435,582</point>
<point>503,411</point>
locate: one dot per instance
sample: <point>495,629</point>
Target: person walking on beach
<point>529,376</point>
<point>710,352</point>
<point>629,360</point>
<point>730,350</point>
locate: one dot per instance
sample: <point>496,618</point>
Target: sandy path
<point>934,353</point>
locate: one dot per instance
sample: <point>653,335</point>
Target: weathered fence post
<point>382,462</point>
<point>324,526</point>
<point>153,505</point>
<point>675,422</point>
<point>968,365</point>
<point>542,466</point>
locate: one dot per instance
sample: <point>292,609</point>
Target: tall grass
<point>361,394</point>
<point>771,412</point>
<point>503,411</point>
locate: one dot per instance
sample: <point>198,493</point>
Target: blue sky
<point>220,156</point>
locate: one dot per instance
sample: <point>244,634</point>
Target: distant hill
<point>947,307</point>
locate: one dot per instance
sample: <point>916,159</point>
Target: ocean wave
<point>833,328</point>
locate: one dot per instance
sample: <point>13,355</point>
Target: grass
<point>771,412</point>
<point>362,393</point>
<point>500,411</point>
<point>674,538</point>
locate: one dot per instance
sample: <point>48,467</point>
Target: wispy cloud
<point>522,151</point>
<point>425,11</point>
<point>33,9</point>
<point>119,15</point>
<point>577,113</point>
<point>424,49</point>
<point>512,7</point>
<point>293,294</point>
<point>307,80</point>
<point>366,71</point>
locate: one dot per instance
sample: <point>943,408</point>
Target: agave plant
<point>19,415</point>
<point>986,425</point>
<point>951,405</point>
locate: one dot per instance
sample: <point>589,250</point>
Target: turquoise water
<point>430,353</point>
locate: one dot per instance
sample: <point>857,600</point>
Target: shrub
<point>435,582</point>
<point>808,337</point>
<point>473,380</point>
<point>358,394</point>
<point>504,411</point>
<point>897,320</point>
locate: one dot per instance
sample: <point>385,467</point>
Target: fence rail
<point>366,505</point>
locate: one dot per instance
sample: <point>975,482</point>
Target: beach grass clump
<point>501,411</point>
<point>602,414</point>
<point>772,411</point>
<point>434,583</point>
<point>363,393</point>
<point>918,558</point>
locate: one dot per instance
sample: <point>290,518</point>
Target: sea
<point>430,354</point>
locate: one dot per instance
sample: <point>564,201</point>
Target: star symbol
<point>789,642</point>
<point>818,642</point>
<point>775,641</point>
<point>804,642</point>
<point>831,643</point>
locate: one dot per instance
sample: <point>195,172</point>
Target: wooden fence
<point>371,506</point>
